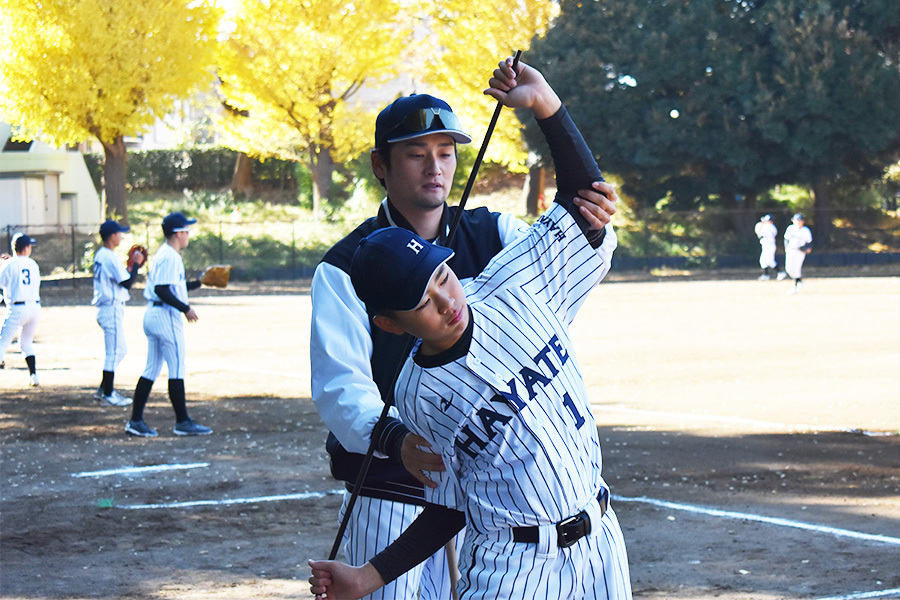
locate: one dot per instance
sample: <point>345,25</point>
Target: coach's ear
<point>388,324</point>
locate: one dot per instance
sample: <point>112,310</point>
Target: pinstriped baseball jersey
<point>20,280</point>
<point>167,268</point>
<point>511,418</point>
<point>109,272</point>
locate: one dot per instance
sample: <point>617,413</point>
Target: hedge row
<point>198,168</point>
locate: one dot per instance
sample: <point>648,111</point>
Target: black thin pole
<point>367,460</point>
<point>487,136</point>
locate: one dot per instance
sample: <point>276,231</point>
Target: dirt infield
<point>750,439</point>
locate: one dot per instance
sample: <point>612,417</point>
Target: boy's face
<point>439,320</point>
<point>421,171</point>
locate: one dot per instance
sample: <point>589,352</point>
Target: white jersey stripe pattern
<point>513,424</point>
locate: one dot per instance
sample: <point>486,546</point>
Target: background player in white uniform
<point>766,232</point>
<point>494,387</point>
<point>112,281</point>
<point>167,295</point>
<point>20,280</point>
<point>797,244</point>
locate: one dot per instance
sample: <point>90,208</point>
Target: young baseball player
<point>112,281</point>
<point>495,388</point>
<point>167,296</point>
<point>766,232</point>
<point>354,364</point>
<point>20,280</point>
<point>797,244</point>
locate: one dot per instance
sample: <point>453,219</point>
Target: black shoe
<point>191,427</point>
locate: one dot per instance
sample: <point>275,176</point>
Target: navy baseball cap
<point>176,222</point>
<point>20,240</point>
<point>798,217</point>
<point>416,116</point>
<point>392,267</point>
<point>110,227</point>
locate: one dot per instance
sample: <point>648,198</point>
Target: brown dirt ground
<point>726,395</point>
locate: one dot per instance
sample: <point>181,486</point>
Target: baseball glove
<point>216,276</point>
<point>137,254</point>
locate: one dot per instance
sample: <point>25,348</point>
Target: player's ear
<point>388,324</point>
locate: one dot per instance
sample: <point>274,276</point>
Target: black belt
<point>157,303</point>
<point>569,530</point>
<point>24,301</point>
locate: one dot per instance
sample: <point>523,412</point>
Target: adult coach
<point>112,282</point>
<point>766,232</point>
<point>167,299</point>
<point>494,386</point>
<point>354,364</point>
<point>797,244</point>
<point>20,280</point>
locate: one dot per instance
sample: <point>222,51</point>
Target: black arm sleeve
<point>132,276</point>
<point>165,294</point>
<point>193,285</point>
<point>574,164</point>
<point>435,526</point>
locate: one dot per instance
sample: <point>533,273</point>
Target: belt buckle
<point>569,531</point>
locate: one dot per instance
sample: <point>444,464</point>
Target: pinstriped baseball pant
<point>111,318</point>
<point>373,526</point>
<point>594,568</point>
<point>20,316</point>
<point>164,329</point>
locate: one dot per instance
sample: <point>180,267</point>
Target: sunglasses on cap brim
<point>422,120</point>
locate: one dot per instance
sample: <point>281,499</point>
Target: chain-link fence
<point>278,250</point>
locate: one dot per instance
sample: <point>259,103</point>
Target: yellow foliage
<point>468,39</point>
<point>293,69</point>
<point>75,69</point>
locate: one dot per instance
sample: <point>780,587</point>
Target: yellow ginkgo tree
<point>290,73</point>
<point>74,70</point>
<point>467,40</point>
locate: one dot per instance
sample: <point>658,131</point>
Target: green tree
<point>72,70</point>
<point>705,102</point>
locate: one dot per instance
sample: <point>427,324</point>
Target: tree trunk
<point>740,210</point>
<point>535,184</point>
<point>242,179</point>
<point>116,156</point>
<point>824,213</point>
<point>321,168</point>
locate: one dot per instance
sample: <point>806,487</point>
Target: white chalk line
<point>860,595</point>
<point>136,470</point>
<point>725,514</point>
<point>663,503</point>
<point>742,421</point>
<point>229,501</point>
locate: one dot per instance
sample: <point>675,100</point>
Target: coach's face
<point>441,317</point>
<point>420,172</point>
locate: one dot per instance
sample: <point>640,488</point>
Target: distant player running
<point>797,244</point>
<point>111,284</point>
<point>167,297</point>
<point>766,232</point>
<point>495,388</point>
